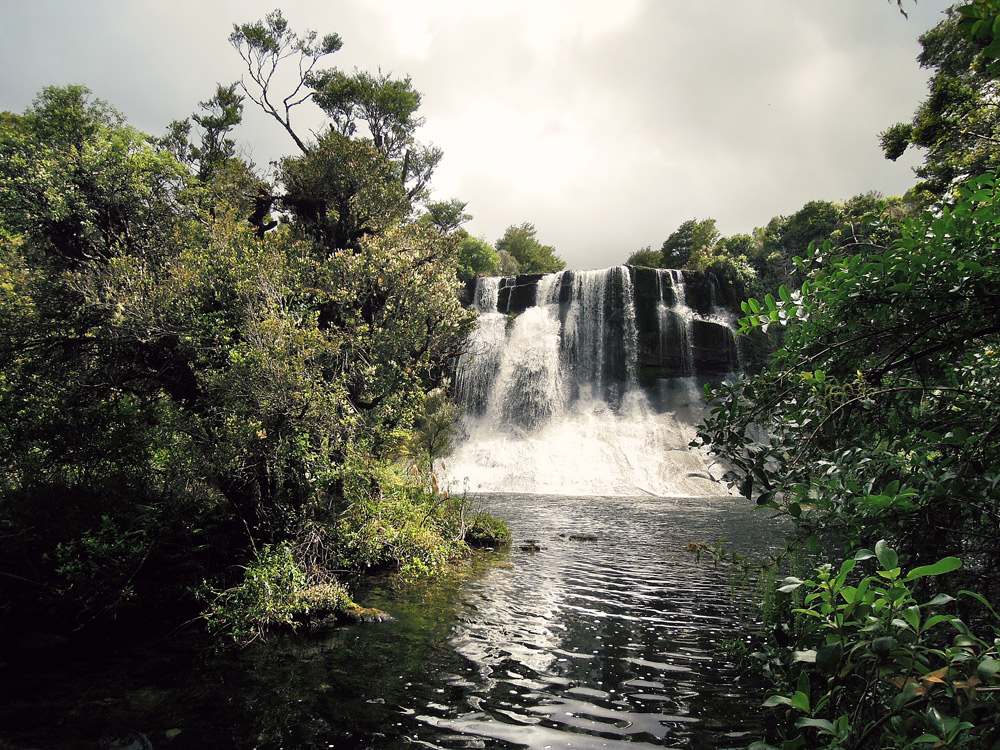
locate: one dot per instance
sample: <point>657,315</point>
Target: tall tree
<point>958,124</point>
<point>264,45</point>
<point>690,236</point>
<point>531,255</point>
<point>385,106</point>
<point>476,257</point>
<point>448,216</point>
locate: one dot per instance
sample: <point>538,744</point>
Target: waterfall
<point>580,394</point>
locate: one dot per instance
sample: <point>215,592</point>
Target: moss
<point>485,530</point>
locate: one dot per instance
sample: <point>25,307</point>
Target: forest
<point>222,395</point>
<point>218,392</point>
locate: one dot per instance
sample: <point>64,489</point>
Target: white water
<point>554,406</point>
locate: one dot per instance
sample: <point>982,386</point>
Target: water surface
<point>600,633</point>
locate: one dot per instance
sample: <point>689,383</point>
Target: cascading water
<point>554,402</point>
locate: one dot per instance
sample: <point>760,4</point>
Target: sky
<point>605,123</point>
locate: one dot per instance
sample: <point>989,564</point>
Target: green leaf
<point>912,617</point>
<point>828,657</point>
<point>988,669</point>
<point>937,620</point>
<point>790,584</point>
<point>776,700</point>
<point>944,565</point>
<point>823,724</point>
<point>886,555</point>
<point>808,656</point>
<point>940,599</point>
<point>883,645</point>
<point>800,700</point>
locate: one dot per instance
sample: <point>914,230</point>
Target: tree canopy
<point>521,244</point>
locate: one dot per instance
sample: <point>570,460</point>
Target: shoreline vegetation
<point>872,428</point>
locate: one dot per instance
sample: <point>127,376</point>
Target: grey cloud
<point>605,138</point>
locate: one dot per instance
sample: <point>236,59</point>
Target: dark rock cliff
<point>680,319</point>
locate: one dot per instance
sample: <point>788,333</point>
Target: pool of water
<point>595,630</point>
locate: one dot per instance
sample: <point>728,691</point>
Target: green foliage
<point>434,427</point>
<point>758,264</point>
<point>341,191</point>
<point>870,420</point>
<point>97,570</point>
<point>957,124</point>
<point>447,216</point>
<point>179,385</point>
<point>78,184</point>
<point>387,107</point>
<point>273,592</point>
<point>878,666</point>
<point>646,257</point>
<point>406,523</point>
<point>476,257</point>
<point>263,45</point>
<point>531,255</point>
<point>691,236</point>
<point>875,402</point>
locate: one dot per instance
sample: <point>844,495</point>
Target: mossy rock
<point>358,614</point>
<point>487,531</point>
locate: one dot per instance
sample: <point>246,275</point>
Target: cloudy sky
<point>606,123</point>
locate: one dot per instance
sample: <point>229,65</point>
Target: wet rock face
<point>680,318</point>
<point>518,293</point>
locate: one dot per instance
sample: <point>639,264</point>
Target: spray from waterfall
<point>558,396</point>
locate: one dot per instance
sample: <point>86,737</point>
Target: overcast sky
<point>606,123</point>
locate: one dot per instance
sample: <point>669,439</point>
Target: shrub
<point>873,666</point>
<point>274,592</point>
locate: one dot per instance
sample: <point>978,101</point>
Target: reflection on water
<point>601,641</point>
<point>606,641</point>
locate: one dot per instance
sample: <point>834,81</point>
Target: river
<point>595,630</point>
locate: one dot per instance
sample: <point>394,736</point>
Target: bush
<point>407,523</point>
<point>874,666</point>
<point>274,592</point>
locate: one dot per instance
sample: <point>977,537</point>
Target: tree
<point>476,257</point>
<point>646,257</point>
<point>874,405</point>
<point>957,124</point>
<point>386,106</point>
<point>263,45</point>
<point>447,216</point>
<point>531,255</point>
<point>690,236</point>
<point>341,191</point>
<point>180,388</point>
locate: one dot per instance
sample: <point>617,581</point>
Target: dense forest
<point>217,390</point>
